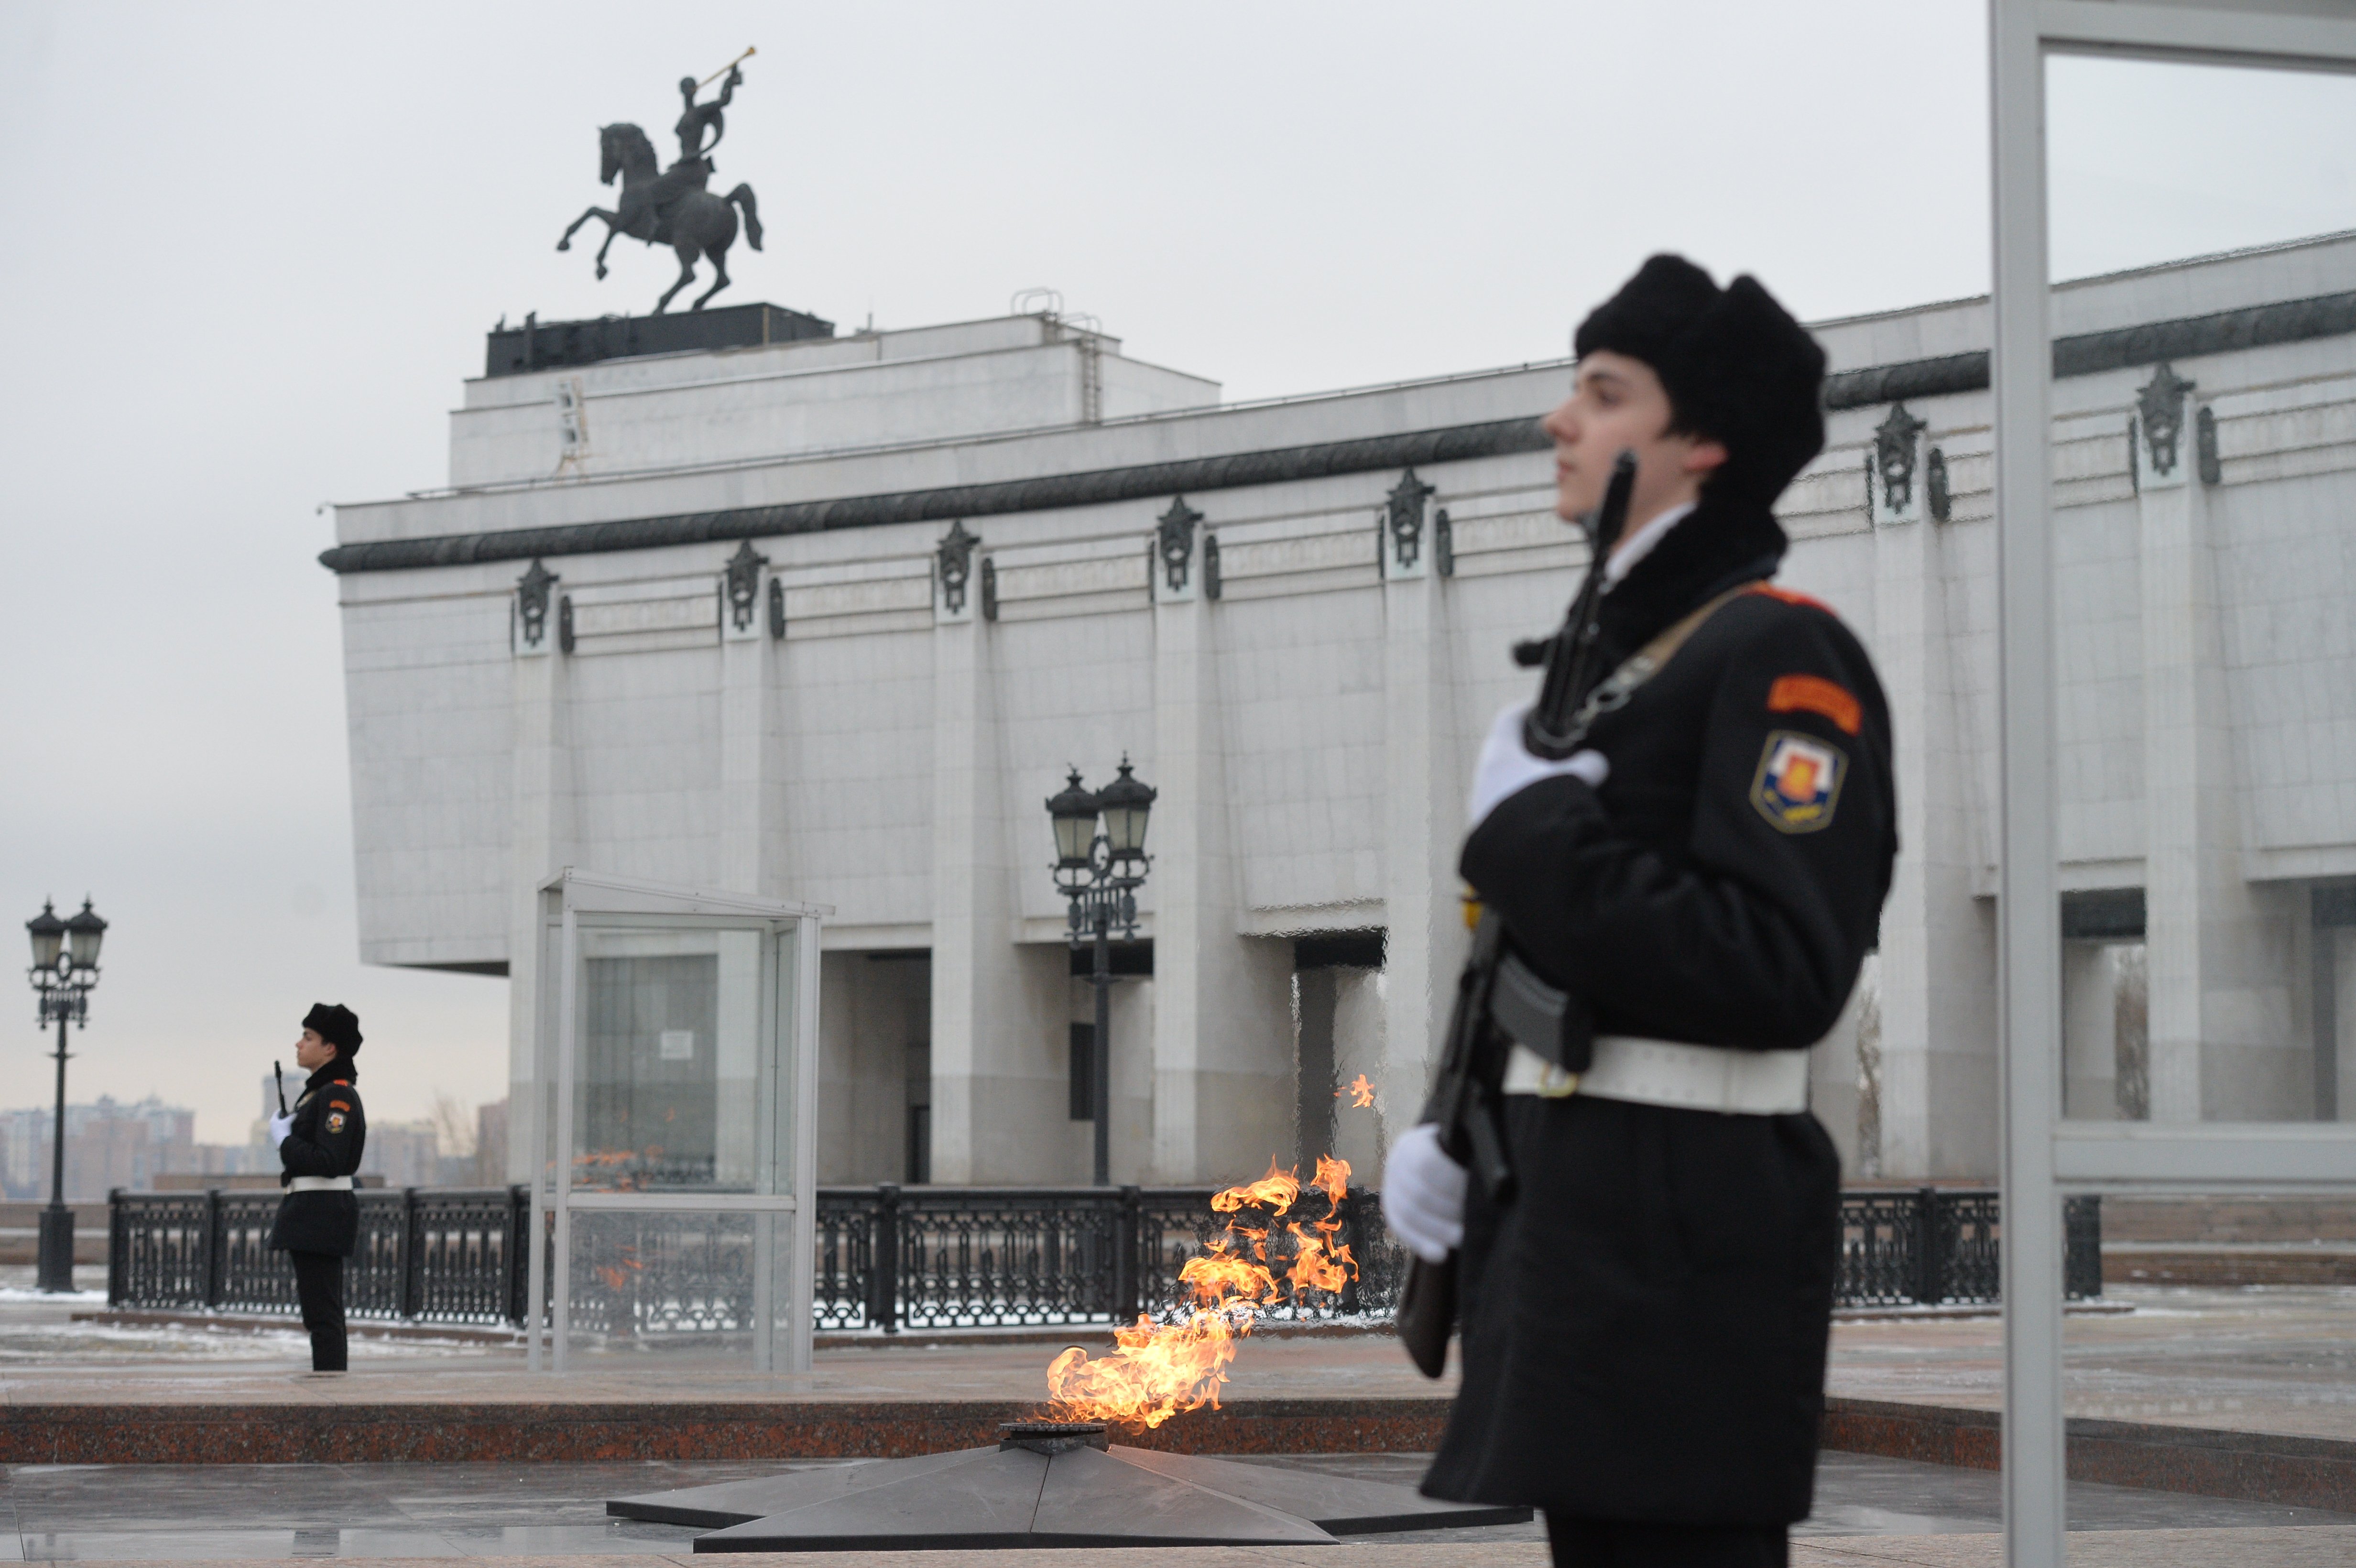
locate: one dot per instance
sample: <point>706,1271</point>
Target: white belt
<point>320,1184</point>
<point>1665,1072</point>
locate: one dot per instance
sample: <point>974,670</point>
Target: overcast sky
<point>253,250</point>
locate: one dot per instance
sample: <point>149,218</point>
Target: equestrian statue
<point>672,207</point>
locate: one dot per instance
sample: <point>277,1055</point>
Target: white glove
<point>1423,1195</point>
<point>279,1127</point>
<point>1508,768</point>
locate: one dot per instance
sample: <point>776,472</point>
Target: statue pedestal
<point>546,345</point>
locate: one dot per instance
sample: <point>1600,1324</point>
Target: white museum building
<point>730,601</point>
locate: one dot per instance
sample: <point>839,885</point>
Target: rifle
<point>1463,1101</point>
<point>280,1074</point>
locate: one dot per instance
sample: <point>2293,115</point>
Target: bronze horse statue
<point>668,207</point>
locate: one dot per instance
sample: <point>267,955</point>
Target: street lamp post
<point>64,971</point>
<point>1098,873</point>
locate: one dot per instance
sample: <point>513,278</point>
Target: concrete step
<point>2293,1220</point>
<point>25,1246</point>
<point>2310,1472</point>
<point>2228,1264</point>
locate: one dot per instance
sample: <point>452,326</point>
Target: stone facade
<point>825,620</point>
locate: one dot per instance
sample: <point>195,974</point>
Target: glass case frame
<point>2042,1155</point>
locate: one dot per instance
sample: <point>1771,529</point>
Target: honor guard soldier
<point>1646,1305</point>
<point>319,1142</point>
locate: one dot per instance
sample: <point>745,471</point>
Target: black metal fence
<point>893,1258</point>
<point>1936,1247</point>
<point>964,1257</point>
<point>425,1254</point>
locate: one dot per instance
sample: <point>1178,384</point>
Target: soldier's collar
<point>1629,552</point>
<point>1719,542</point>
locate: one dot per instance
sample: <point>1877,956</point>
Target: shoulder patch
<point>335,1121</point>
<point>1815,694</point>
<point>1798,785</point>
<point>1788,596</point>
<point>339,1104</point>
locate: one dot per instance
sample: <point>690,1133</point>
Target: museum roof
<point>2112,347</point>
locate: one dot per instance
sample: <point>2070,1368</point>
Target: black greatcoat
<point>1646,1318</point>
<point>329,1131</point>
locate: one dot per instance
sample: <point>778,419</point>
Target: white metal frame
<point>2043,1156</point>
<point>565,901</point>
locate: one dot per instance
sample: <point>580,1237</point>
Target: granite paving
<point>556,1512</point>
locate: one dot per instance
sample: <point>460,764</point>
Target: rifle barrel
<point>1546,731</point>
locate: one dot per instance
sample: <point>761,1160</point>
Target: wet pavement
<point>154,1512</point>
<point>2277,1358</point>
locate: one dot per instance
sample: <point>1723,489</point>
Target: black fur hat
<point>1737,367</point>
<point>336,1024</point>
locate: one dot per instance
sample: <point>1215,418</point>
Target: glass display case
<point>673,1127</point>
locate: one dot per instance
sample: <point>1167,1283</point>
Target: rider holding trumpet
<point>693,147</point>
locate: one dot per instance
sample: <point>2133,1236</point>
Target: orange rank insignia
<point>1798,782</point>
<point>1815,694</point>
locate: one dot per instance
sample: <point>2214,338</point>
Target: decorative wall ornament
<point>745,585</point>
<point>1173,537</point>
<point>1934,486</point>
<point>989,588</point>
<point>532,590</point>
<point>1403,512</point>
<point>777,609</point>
<point>955,558</point>
<point>2204,446</point>
<point>2161,405</point>
<point>1210,565</point>
<point>1443,543</point>
<point>1896,442</point>
<point>565,623</point>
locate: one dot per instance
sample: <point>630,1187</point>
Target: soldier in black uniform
<point>1645,1314</point>
<point>319,1142</point>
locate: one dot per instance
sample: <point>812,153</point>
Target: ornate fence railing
<point>1933,1246</point>
<point>425,1254</point>
<point>893,1258</point>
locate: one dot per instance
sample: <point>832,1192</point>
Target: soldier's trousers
<point>1613,1543</point>
<point>319,1286</point>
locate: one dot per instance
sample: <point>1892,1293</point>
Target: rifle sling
<point>1646,662</point>
<point>1520,1003</point>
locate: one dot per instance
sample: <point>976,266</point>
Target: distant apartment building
<point>490,1144</point>
<point>108,1145</point>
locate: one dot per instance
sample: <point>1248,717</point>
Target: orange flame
<point>1314,1267</point>
<point>1219,1275</point>
<point>1362,1093</point>
<point>1157,1371</point>
<point>1275,1192</point>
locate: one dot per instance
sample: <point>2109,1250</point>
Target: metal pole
<point>57,1222</point>
<point>1100,1047</point>
<point>2029,956</point>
